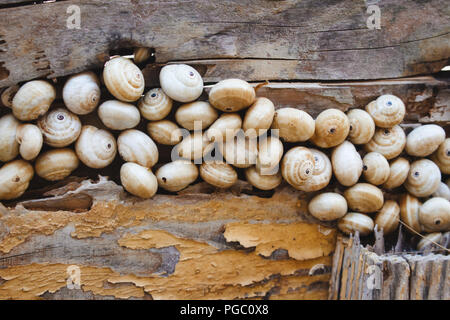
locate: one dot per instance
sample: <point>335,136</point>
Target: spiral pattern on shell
<point>261,181</point>
<point>155,105</point>
<point>135,146</point>
<point>138,180</point>
<point>387,111</point>
<point>181,82</point>
<point>33,100</point>
<point>409,211</point>
<point>60,127</point>
<point>232,95</point>
<point>240,152</point>
<point>9,147</point>
<point>354,221</point>
<point>398,173</point>
<point>442,156</point>
<point>389,142</point>
<point>331,128</point>
<point>96,148</point>
<point>321,174</point>
<point>388,217</point>
<point>8,95</point>
<point>218,174</point>
<point>423,179</point>
<point>376,168</point>
<point>364,197</point>
<point>362,126</point>
<point>81,92</point>
<point>294,125</point>
<point>434,215</point>
<point>297,166</point>
<point>56,164</point>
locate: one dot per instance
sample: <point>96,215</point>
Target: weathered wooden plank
<point>266,40</point>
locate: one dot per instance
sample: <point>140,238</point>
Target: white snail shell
<point>118,115</point>
<point>15,176</point>
<point>218,174</point>
<point>165,132</point>
<point>155,105</point>
<point>388,217</point>
<point>322,172</point>
<point>123,79</point>
<point>347,164</point>
<point>9,147</point>
<point>33,100</point>
<point>376,168</point>
<point>177,175</point>
<point>434,215</point>
<point>81,92</point>
<point>30,138</point>
<point>199,113</point>
<point>96,148</point>
<point>240,152</point>
<point>181,82</point>
<point>442,156</point>
<point>59,127</point>
<point>262,181</point>
<point>297,166</point>
<point>8,95</point>
<point>389,142</point>
<point>443,191</point>
<point>294,125</point>
<point>364,197</point>
<point>232,95</point>
<point>225,127</point>
<point>354,221</point>
<point>362,126</point>
<point>427,241</point>
<point>328,206</point>
<point>387,111</point>
<point>409,211</point>
<point>138,180</point>
<point>135,146</point>
<point>258,117</point>
<point>398,173</point>
<point>270,152</point>
<point>331,128</point>
<point>56,164</point>
<point>193,147</point>
<point>423,179</point>
<point>424,140</point>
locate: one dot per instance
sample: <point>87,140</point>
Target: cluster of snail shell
<point>367,151</point>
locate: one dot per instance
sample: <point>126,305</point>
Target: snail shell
<point>199,111</point>
<point>294,125</point>
<point>376,168</point>
<point>123,79</point>
<point>218,174</point>
<point>138,180</point>
<point>56,164</point>
<point>155,105</point>
<point>398,172</point>
<point>322,172</point>
<point>328,206</point>
<point>81,93</point>
<point>442,156</point>
<point>443,191</point>
<point>141,54</point>
<point>424,140</point>
<point>434,215</point>
<point>332,128</point>
<point>258,117</point>
<point>177,175</point>
<point>165,132</point>
<point>409,211</point>
<point>362,126</point>
<point>240,152</point>
<point>387,218</point>
<point>270,152</point>
<point>364,197</point>
<point>30,138</point>
<point>96,148</point>
<point>135,146</point>
<point>227,125</point>
<point>15,176</point>
<point>8,95</point>
<point>354,221</point>
<point>232,95</point>
<point>347,164</point>
<point>181,82</point>
<point>423,179</point>
<point>387,111</point>
<point>297,167</point>
<point>262,181</point>
<point>59,127</point>
<point>118,115</point>
<point>33,100</point>
<point>426,242</point>
<point>9,147</point>
<point>193,147</point>
<point>389,142</point>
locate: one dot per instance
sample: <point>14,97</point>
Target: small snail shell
<point>262,181</point>
<point>322,172</point>
<point>123,79</point>
<point>364,197</point>
<point>294,125</point>
<point>423,179</point>
<point>354,221</point>
<point>155,105</point>
<point>240,152</point>
<point>347,164</point>
<point>95,147</point>
<point>138,180</point>
<point>81,93</point>
<point>332,128</point>
<point>165,132</point>
<point>193,147</point>
<point>56,164</point>
<point>9,147</point>
<point>15,176</point>
<point>427,241</point>
<point>270,152</point>
<point>362,126</point>
<point>376,168</point>
<point>258,117</point>
<point>232,95</point>
<point>387,111</point>
<point>442,156</point>
<point>30,138</point>
<point>59,127</point>
<point>33,100</point>
<point>398,172</point>
<point>387,218</point>
<point>141,54</point>
<point>181,82</point>
<point>328,206</point>
<point>424,140</point>
<point>198,111</point>
<point>434,215</point>
<point>118,115</point>
<point>443,191</point>
<point>297,166</point>
<point>8,95</point>
<point>218,174</point>
<point>227,125</point>
<point>389,142</point>
<point>177,175</point>
<point>135,146</point>
<point>409,211</point>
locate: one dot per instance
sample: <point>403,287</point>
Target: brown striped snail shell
<point>8,94</point>
<point>96,148</point>
<point>376,168</point>
<point>177,175</point>
<point>59,127</point>
<point>155,105</point>
<point>362,126</point>
<point>123,79</point>
<point>56,164</point>
<point>389,142</point>
<point>135,146</point>
<point>226,126</point>
<point>270,152</point>
<point>141,54</point>
<point>297,166</point>
<point>33,100</point>
<point>387,111</point>
<point>240,152</point>
<point>388,217</point>
<point>118,115</point>
<point>347,164</point>
<point>398,173</point>
<point>262,181</point>
<point>30,138</point>
<point>165,132</point>
<point>218,174</point>
<point>424,140</point>
<point>354,221</point>
<point>364,197</point>
<point>427,241</point>
<point>328,206</point>
<point>443,191</point>
<point>9,147</point>
<point>81,92</point>
<point>409,211</point>
<point>423,179</point>
<point>322,172</point>
<point>442,156</point>
<point>331,128</point>
<point>181,82</point>
<point>294,125</point>
<point>199,113</point>
<point>232,95</point>
<point>434,215</point>
<point>15,176</point>
<point>138,180</point>
<point>258,117</point>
